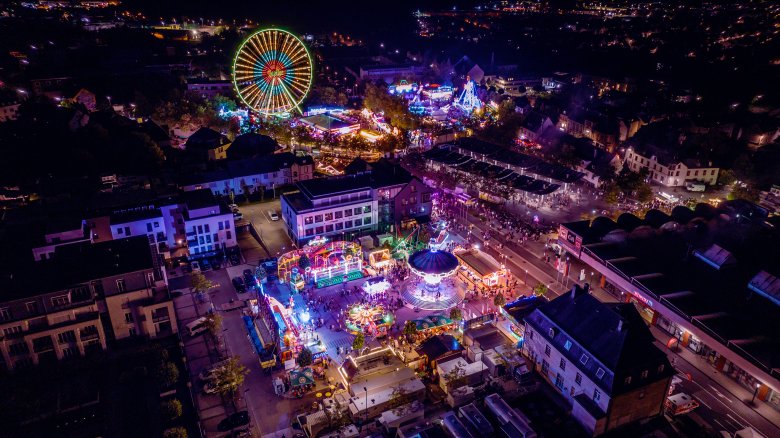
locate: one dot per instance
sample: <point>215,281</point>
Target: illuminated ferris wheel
<point>272,71</point>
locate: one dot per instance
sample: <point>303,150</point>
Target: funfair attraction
<point>272,72</point>
<point>329,263</point>
<point>432,266</point>
<point>369,320</point>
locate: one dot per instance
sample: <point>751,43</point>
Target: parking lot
<point>273,233</point>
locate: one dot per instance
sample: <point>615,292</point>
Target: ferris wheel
<point>272,71</point>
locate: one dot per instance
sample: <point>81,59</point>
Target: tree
<point>199,283</point>
<point>499,300</point>
<point>611,193</point>
<point>304,262</point>
<point>167,374</point>
<point>456,314</point>
<point>171,409</point>
<point>644,193</point>
<point>726,177</point>
<point>175,432</point>
<point>410,328</point>
<point>540,289</point>
<point>230,377</point>
<point>743,191</point>
<point>359,341</point>
<point>305,358</point>
<point>261,273</point>
<point>214,323</point>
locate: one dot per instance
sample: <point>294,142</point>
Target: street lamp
<point>365,412</point>
<point>753,400</point>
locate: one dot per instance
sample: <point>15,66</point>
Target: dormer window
<point>551,332</point>
<point>584,359</point>
<point>600,373</point>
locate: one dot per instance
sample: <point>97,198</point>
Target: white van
<point>197,327</point>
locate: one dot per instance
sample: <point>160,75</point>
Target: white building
<point>330,207</point>
<point>208,224</point>
<point>601,359</point>
<point>668,172</point>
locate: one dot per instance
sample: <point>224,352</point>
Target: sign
<point>641,299</point>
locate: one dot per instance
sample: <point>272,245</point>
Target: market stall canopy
<point>432,262</point>
<point>301,377</point>
<point>432,321</point>
<point>376,285</point>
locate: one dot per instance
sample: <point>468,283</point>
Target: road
<point>726,406</point>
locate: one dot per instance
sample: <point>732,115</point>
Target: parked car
<point>249,279</point>
<point>238,283</point>
<point>233,207</point>
<point>205,265</point>
<point>233,421</point>
<point>210,372</point>
<point>234,259</point>
<point>238,215</point>
<point>195,266</point>
<point>272,214</point>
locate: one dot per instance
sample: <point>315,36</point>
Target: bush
<point>175,432</point>
<point>171,409</point>
<point>305,358</point>
<point>168,374</point>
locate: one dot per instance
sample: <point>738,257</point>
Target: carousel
<point>323,262</point>
<point>432,267</point>
<point>369,320</point>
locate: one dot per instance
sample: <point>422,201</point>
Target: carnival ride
<point>468,100</point>
<point>330,262</point>
<point>432,266</point>
<point>369,320</point>
<point>272,72</point>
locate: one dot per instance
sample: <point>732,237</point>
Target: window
<point>128,317</point>
<point>578,379</point>
<point>120,285</point>
<point>227,225</point>
<point>148,227</point>
<point>65,337</point>
<point>545,366</point>
<point>11,330</point>
<point>215,238</point>
<point>308,220</point>
<point>329,228</point>
<point>221,225</point>
<point>530,333</point>
<point>426,197</point>
<point>127,230</point>
<point>120,230</point>
<point>32,307</point>
<point>358,210</point>
<point>547,350</point>
<point>208,238</point>
<point>366,220</point>
<point>562,364</point>
<point>18,348</point>
<point>660,367</point>
<point>644,374</point>
<point>132,331</point>
<point>567,345</point>
<point>200,229</point>
<point>627,380</point>
<point>348,224</point>
<point>584,359</point>
<point>228,235</point>
<point>339,215</point>
<point>348,212</point>
<point>206,228</point>
<point>310,232</point>
<point>339,226</point>
<point>596,395</point>
<point>367,209</point>
<point>80,293</point>
<point>600,372</point>
<point>201,240</point>
<point>61,300</point>
<point>559,381</point>
<point>157,225</point>
<point>328,216</point>
<point>318,218</point>
<point>320,230</point>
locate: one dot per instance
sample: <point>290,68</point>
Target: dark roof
<point>76,264</point>
<point>326,122</point>
<point>613,335</point>
<point>534,121</point>
<point>433,262</point>
<point>206,138</point>
<point>320,187</point>
<point>202,198</point>
<point>356,166</point>
<point>134,215</point>
<point>251,145</point>
<point>438,346</point>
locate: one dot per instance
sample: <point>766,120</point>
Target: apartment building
<point>600,357</point>
<point>62,306</point>
<point>64,230</point>
<point>208,224</point>
<point>666,170</point>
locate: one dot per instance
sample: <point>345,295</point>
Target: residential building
<point>209,88</point>
<point>600,357</point>
<point>62,306</point>
<point>714,292</point>
<point>8,111</point>
<point>64,230</point>
<point>379,198</point>
<point>207,144</point>
<point>209,225</point>
<point>390,72</point>
<point>667,171</point>
<point>534,125</point>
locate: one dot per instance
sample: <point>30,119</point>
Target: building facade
<point>671,173</point>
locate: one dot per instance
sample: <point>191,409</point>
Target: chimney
<point>620,324</point>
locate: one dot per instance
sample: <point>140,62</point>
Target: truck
<point>695,187</point>
<point>680,403</point>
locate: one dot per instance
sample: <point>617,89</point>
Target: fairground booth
<point>291,338</point>
<point>480,268</point>
<point>321,262</point>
